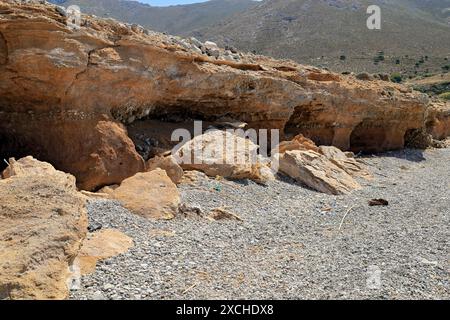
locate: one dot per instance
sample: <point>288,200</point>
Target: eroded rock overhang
<point>66,94</point>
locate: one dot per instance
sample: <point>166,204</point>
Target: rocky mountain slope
<point>334,34</point>
<point>66,93</point>
<point>180,20</point>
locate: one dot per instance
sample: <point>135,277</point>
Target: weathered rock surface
<point>168,164</point>
<point>149,194</point>
<point>218,214</point>
<point>346,163</point>
<point>343,160</point>
<point>101,245</point>
<point>30,166</point>
<point>64,91</point>
<point>317,172</point>
<point>299,142</point>
<point>438,120</point>
<point>221,153</point>
<point>43,221</point>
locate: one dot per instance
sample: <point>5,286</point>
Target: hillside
<point>333,34</point>
<point>180,20</point>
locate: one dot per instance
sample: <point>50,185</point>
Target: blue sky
<point>169,2</point>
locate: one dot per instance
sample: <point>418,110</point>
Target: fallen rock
<point>222,214</point>
<point>150,194</point>
<point>317,172</point>
<point>190,211</point>
<point>346,163</point>
<point>299,142</point>
<point>220,153</point>
<point>43,221</point>
<point>162,233</point>
<point>192,177</point>
<point>101,245</point>
<point>29,166</point>
<point>168,164</point>
<point>378,202</point>
<point>109,190</point>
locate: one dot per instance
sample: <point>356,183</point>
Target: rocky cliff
<point>66,93</point>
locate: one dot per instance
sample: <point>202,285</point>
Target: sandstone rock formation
<point>317,172</point>
<point>43,221</point>
<point>221,153</point>
<point>218,214</point>
<point>328,154</point>
<point>66,92</point>
<point>167,163</point>
<point>299,142</point>
<point>101,245</point>
<point>438,120</point>
<point>150,194</point>
<point>346,163</point>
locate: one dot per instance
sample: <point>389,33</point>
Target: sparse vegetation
<point>445,96</point>
<point>396,77</point>
<point>379,57</point>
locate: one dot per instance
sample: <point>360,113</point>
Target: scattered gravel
<point>289,245</point>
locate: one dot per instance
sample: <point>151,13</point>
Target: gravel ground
<point>289,245</point>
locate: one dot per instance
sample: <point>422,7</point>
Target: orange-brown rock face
<point>43,221</point>
<point>63,93</point>
<point>438,120</point>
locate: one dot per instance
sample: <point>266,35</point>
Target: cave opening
<point>367,137</point>
<point>12,147</point>
<point>309,121</point>
<point>152,133</point>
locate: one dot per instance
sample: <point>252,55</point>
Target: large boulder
<point>149,194</point>
<point>30,166</point>
<point>168,164</point>
<point>317,172</point>
<point>43,221</point>
<point>221,153</point>
<point>299,142</point>
<point>345,162</point>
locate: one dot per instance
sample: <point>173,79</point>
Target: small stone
<point>107,287</point>
<point>98,295</point>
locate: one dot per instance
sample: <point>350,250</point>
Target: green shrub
<point>396,77</point>
<point>445,96</point>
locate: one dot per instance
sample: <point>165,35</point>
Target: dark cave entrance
<point>368,136</point>
<point>11,147</point>
<point>152,134</point>
<point>308,121</point>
